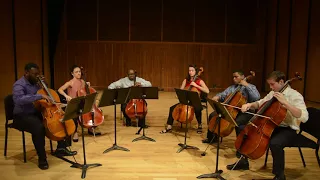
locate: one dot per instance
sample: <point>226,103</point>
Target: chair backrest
<point>9,106</point>
<point>313,124</point>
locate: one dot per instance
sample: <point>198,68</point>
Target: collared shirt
<point>250,92</point>
<point>126,82</point>
<point>24,94</point>
<point>295,99</point>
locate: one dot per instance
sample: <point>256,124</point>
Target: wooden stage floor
<point>146,160</point>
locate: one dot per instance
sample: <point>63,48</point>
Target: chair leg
<point>24,148</point>
<point>6,141</point>
<point>265,161</point>
<point>207,113</point>
<point>220,139</point>
<point>317,155</point>
<point>51,147</point>
<point>301,155</point>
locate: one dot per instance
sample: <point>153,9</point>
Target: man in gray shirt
<point>126,82</point>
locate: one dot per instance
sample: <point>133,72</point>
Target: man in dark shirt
<point>28,118</point>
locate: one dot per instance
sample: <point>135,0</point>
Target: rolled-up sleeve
<point>224,94</point>
<point>298,102</point>
<point>116,84</point>
<point>253,93</point>
<point>144,83</point>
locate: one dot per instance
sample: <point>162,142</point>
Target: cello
<point>53,114</point>
<point>253,141</point>
<point>234,99</point>
<point>136,108</point>
<point>95,117</point>
<point>179,113</point>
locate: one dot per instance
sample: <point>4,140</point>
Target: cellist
<point>127,82</point>
<point>247,90</point>
<point>73,86</point>
<point>201,86</point>
<point>28,118</point>
<point>285,134</point>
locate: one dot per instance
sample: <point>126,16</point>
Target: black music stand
<point>222,113</point>
<point>143,93</point>
<point>113,97</point>
<point>189,98</point>
<point>75,108</point>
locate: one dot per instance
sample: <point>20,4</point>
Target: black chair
<point>311,127</point>
<point>9,105</point>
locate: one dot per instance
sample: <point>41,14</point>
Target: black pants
<point>197,112</point>
<point>242,119</point>
<point>32,123</point>
<point>281,137</point>
<point>141,122</point>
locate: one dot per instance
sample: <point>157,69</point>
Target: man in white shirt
<point>284,135</point>
<point>126,82</point>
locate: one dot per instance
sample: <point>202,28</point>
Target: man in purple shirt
<point>28,118</point>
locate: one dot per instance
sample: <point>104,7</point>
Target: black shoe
<point>238,154</point>
<point>64,152</point>
<point>97,133</point>
<point>43,164</point>
<point>243,164</point>
<point>282,177</point>
<point>215,140</point>
<point>128,123</point>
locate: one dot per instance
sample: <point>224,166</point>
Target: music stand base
<point>212,175</point>
<point>115,147</point>
<point>85,167</point>
<point>143,137</point>
<point>185,146</point>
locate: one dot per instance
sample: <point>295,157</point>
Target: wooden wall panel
<point>210,21</point>
<point>270,45</point>
<point>146,18</point>
<point>61,70</point>
<point>113,19</point>
<point>6,48</point>
<point>241,14</point>
<point>82,19</point>
<point>313,64</point>
<point>283,35</point>
<point>164,64</point>
<point>105,66</point>
<point>28,33</point>
<point>178,20</point>
<point>298,42</point>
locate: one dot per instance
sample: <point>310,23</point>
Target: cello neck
<point>43,84</point>
<point>83,77</point>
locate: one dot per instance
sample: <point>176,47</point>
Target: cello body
<point>136,108</point>
<point>95,117</point>
<point>254,141</point>
<point>234,99</point>
<point>52,116</point>
<point>226,127</point>
<point>179,113</point>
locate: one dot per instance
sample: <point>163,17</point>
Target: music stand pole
<point>188,98</point>
<point>222,113</point>
<point>146,93</point>
<point>75,108</point>
<point>114,97</point>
